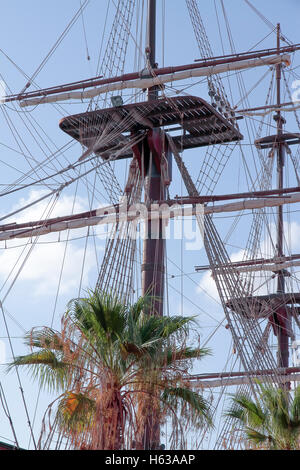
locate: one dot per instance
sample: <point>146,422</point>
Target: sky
<point>36,294</point>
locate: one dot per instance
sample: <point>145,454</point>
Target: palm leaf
<point>44,338</point>
<point>295,406</point>
<point>274,418</point>
<point>257,437</point>
<point>200,408</point>
<point>45,367</point>
<point>75,411</point>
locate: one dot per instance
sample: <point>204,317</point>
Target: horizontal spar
<point>99,80</point>
<point>145,83</point>
<point>261,264</point>
<point>184,200</point>
<point>283,375</point>
<point>270,267</point>
<point>140,212</point>
<point>227,382</point>
<point>286,107</point>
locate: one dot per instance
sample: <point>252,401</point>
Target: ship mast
<point>151,42</point>
<point>152,269</point>
<point>201,125</point>
<point>283,347</point>
<point>154,244</point>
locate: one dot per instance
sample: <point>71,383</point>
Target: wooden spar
<point>226,197</point>
<point>156,79</point>
<point>229,379</point>
<point>244,381</point>
<point>258,264</point>
<point>243,55</point>
<point>252,373</point>
<point>141,212</point>
<point>269,108</point>
<point>274,267</point>
<point>183,200</point>
<point>82,215</point>
<point>239,378</point>
<point>98,81</point>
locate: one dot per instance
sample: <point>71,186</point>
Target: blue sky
<point>28,31</point>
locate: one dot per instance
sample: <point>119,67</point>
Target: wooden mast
<point>152,269</point>
<point>283,338</point>
<point>154,244</point>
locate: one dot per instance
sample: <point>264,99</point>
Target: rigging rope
<point>56,45</point>
<point>216,157</point>
<point>8,414</point>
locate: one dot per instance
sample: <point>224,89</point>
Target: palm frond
<point>258,437</point>
<point>171,355</point>
<point>75,411</point>
<point>45,367</point>
<point>44,338</point>
<point>140,306</point>
<point>248,411</point>
<point>295,407</point>
<point>199,407</point>
<point>273,419</point>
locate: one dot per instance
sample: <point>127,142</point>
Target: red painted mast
<point>283,338</point>
<point>154,244</point>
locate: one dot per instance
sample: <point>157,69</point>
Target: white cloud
<point>63,206</point>
<point>207,287</point>
<point>42,268</point>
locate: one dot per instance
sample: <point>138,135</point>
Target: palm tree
<point>273,421</point>
<point>120,372</point>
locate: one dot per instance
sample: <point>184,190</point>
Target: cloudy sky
<point>39,276</point>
